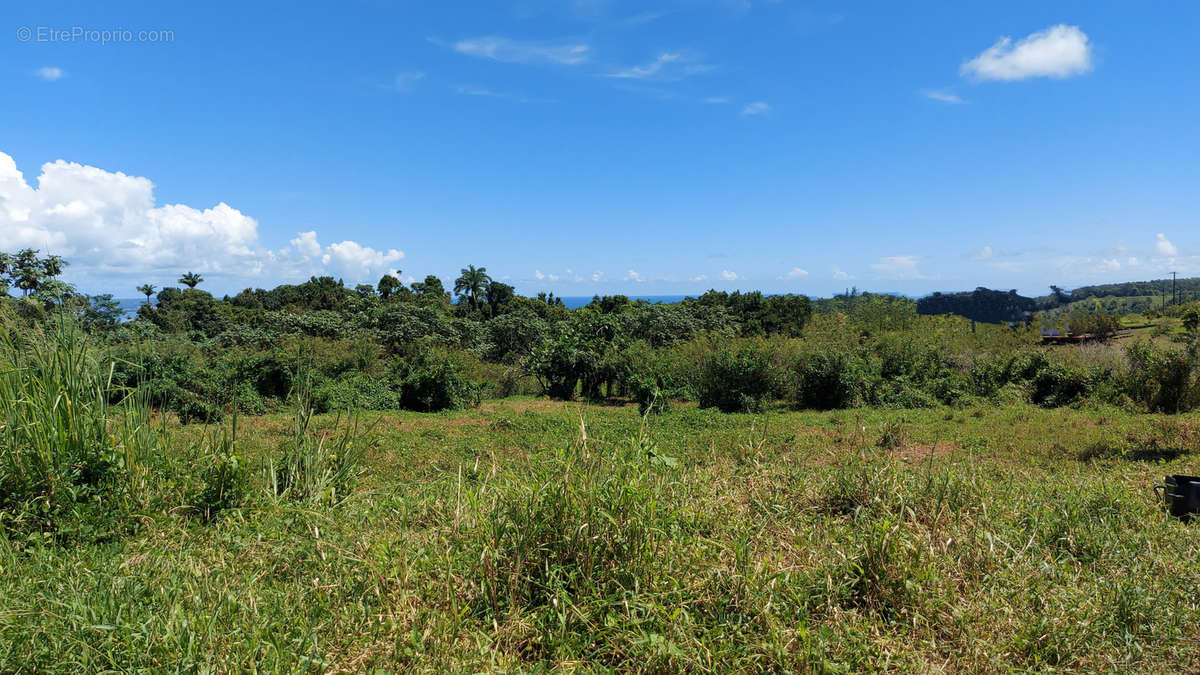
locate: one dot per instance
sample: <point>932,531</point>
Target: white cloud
<point>667,66</point>
<point>839,274</point>
<point>107,226</point>
<point>756,108</point>
<point>729,276</point>
<point>352,258</point>
<point>984,253</point>
<point>597,276</point>
<point>1108,265</point>
<point>649,70</point>
<point>700,277</point>
<point>307,246</point>
<point>897,268</point>
<point>942,95</point>
<point>631,275</point>
<point>797,273</point>
<point>515,51</point>
<point>50,73</point>
<point>405,81</point>
<point>1164,247</point>
<point>1059,51</point>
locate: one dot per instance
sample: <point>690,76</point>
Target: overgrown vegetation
<point>319,479</point>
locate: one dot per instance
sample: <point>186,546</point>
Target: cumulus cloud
<point>307,246</point>
<point>756,108</point>
<point>839,274</point>
<point>631,275</point>
<point>984,253</point>
<point>942,95</point>
<point>797,273</point>
<point>50,73</point>
<point>1059,51</point>
<point>1164,247</point>
<point>107,225</point>
<point>897,268</point>
<point>515,51</point>
<point>729,276</point>
<point>351,258</point>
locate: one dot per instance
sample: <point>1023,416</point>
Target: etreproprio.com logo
<point>100,36</point>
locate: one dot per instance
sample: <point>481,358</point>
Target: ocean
<point>575,302</point>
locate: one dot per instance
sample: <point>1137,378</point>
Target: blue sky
<point>595,146</point>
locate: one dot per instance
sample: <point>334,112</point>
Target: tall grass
<point>317,467</point>
<point>69,457</point>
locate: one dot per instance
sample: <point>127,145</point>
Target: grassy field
<point>530,534</point>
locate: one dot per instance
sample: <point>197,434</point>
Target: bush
<point>649,394</point>
<point>355,391</point>
<point>830,379</point>
<point>738,378</point>
<point>1164,380</point>
<point>431,380</point>
<point>1058,385</point>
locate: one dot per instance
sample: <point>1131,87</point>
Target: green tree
<point>191,279</point>
<point>388,285</point>
<point>472,283</point>
<point>147,290</point>
<point>499,296</point>
<point>27,271</point>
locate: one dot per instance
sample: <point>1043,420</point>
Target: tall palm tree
<point>147,290</point>
<point>191,279</point>
<point>472,283</point>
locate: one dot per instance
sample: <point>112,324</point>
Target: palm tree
<point>191,279</point>
<point>472,283</point>
<point>147,290</point>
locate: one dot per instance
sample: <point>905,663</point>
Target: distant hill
<point>994,306</point>
<point>982,304</point>
<point>1128,289</point>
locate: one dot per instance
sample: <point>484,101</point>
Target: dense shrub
<point>830,379</point>
<point>355,391</point>
<point>431,379</point>
<point>738,377</point>
<point>1058,385</point>
<point>1163,380</point>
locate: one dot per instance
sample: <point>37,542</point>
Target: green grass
<point>531,535</point>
